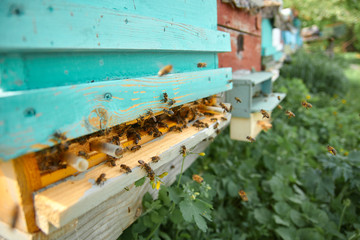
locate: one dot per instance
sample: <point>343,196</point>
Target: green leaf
<point>176,216</point>
<point>297,218</point>
<point>281,221</point>
<point>282,208</point>
<point>155,217</point>
<point>194,211</point>
<point>140,182</point>
<point>309,233</point>
<point>232,189</point>
<point>286,233</point>
<point>175,194</point>
<point>262,215</point>
<point>200,222</point>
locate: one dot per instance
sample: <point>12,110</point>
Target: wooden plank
<point>76,110</point>
<point>238,19</point>
<point>267,103</point>
<point>240,128</point>
<point>6,233</point>
<point>79,195</point>
<point>23,71</point>
<point>242,56</point>
<point>35,26</point>
<point>111,217</point>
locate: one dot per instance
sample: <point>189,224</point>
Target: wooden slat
<point>79,195</point>
<point>248,58</point>
<point>267,103</point>
<point>76,110</point>
<point>34,26</point>
<point>238,19</point>
<point>24,71</point>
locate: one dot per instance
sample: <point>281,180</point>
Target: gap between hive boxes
<point>69,199</point>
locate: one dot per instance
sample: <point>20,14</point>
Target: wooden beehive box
<point>244,28</point>
<point>79,69</point>
<point>255,92</point>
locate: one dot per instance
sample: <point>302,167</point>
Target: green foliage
<point>296,189</point>
<point>319,73</point>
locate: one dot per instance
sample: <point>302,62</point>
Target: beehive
<point>79,69</point>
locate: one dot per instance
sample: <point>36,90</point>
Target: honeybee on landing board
<point>165,70</point>
<point>126,168</point>
<point>166,97</point>
<point>101,179</point>
<point>148,169</point>
<point>201,65</point>
<point>238,100</point>
<point>278,97</point>
<point>155,159</point>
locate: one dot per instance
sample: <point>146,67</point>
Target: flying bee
<point>168,112</point>
<point>243,196</point>
<point>165,70</point>
<point>224,107</point>
<point>15,216</point>
<point>250,139</point>
<point>59,136</point>
<point>201,65</point>
<point>183,150</point>
<point>152,115</point>
<point>238,100</point>
<point>126,168</point>
<point>135,148</point>
<point>265,113</point>
<point>213,119</point>
<point>83,154</point>
<point>216,125</point>
<point>197,178</point>
<point>331,150</point>
<point>155,159</point>
<point>101,179</point>
<point>290,114</point>
<point>279,107</point>
<point>165,96</point>
<point>306,105</point>
<point>278,97</point>
<point>148,169</point>
<point>171,102</point>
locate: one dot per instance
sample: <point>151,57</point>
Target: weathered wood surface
<point>25,71</point>
<point>240,128</point>
<point>242,56</point>
<point>77,110</point>
<point>238,19</point>
<point>62,203</point>
<point>87,25</point>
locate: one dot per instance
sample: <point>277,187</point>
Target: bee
<point>141,120</point>
<point>331,150</point>
<point>290,114</point>
<point>179,129</point>
<point>217,131</point>
<point>165,70</point>
<point>126,168</point>
<point>238,100</point>
<point>165,96</point>
<point>243,196</point>
<point>168,112</point>
<point>82,140</point>
<point>208,114</point>
<point>201,65</point>
<point>216,125</point>
<point>306,105</point>
<point>59,136</point>
<point>265,113</point>
<point>213,119</point>
<point>83,154</point>
<point>148,169</point>
<point>111,161</point>
<point>15,216</point>
<point>101,179</point>
<point>157,134</point>
<point>162,124</point>
<point>207,125</point>
<point>135,148</point>
<point>129,210</point>
<point>279,107</point>
<point>278,97</point>
<point>197,178</point>
<point>250,139</point>
<point>126,189</point>
<point>230,81</point>
<point>155,159</point>
<point>183,150</point>
<point>151,114</point>
<point>172,167</point>
<point>224,118</point>
<point>224,107</point>
<point>115,140</point>
<point>171,102</point>
<point>173,128</point>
